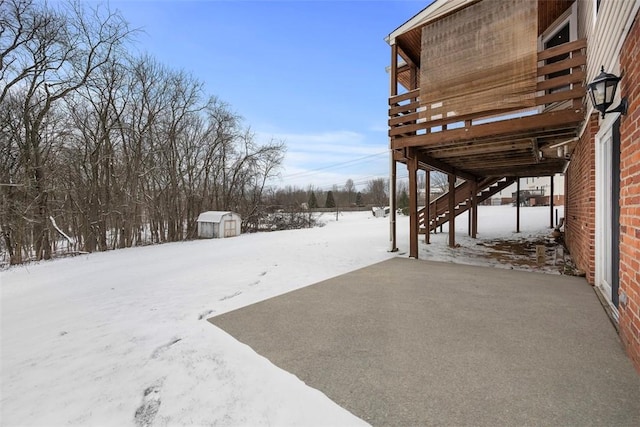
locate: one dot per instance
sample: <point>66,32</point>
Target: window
<point>562,36</point>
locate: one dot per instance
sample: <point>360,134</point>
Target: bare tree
<point>439,182</point>
<point>117,151</point>
<point>377,190</point>
<point>350,189</point>
<point>55,58</point>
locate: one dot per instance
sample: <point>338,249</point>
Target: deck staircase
<point>439,208</point>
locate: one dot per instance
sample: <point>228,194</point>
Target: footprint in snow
<point>230,296</point>
<point>158,351</point>
<point>205,314</point>
<point>257,282</point>
<point>147,411</point>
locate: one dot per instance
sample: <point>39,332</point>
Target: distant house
<point>218,224</point>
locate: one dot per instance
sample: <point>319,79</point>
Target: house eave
<point>436,10</point>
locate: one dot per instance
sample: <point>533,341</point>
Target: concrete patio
<point>417,343</point>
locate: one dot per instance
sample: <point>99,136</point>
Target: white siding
<point>605,34</point>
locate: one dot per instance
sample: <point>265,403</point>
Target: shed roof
<point>212,216</point>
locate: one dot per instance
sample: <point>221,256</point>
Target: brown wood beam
<point>518,205</point>
<point>452,209</point>
<point>403,109</point>
<point>576,93</point>
<point>412,166</point>
<point>523,171</point>
<point>479,144</point>
<point>474,210</point>
<point>427,201</point>
<point>467,119</point>
<point>560,133</point>
<point>406,57</point>
<point>561,49</point>
<point>575,77</point>
<point>395,98</point>
<point>413,77</point>
<point>398,156</point>
<point>521,153</point>
<point>471,148</point>
<point>494,163</point>
<point>543,122</point>
<point>536,152</point>
<point>405,118</point>
<point>444,167</point>
<point>551,202</point>
<point>394,70</point>
<point>403,69</point>
<point>469,211</point>
<point>565,64</point>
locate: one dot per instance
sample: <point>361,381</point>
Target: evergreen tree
<point>359,199</point>
<point>330,203</point>
<point>313,201</point>
<point>403,200</point>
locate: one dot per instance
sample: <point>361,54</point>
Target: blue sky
<point>311,73</point>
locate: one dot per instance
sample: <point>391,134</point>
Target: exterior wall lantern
<point>602,91</point>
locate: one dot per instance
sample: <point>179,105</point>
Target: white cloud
<point>327,158</point>
<point>344,142</point>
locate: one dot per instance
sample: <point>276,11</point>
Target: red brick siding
<point>630,196</point>
<point>580,201</point>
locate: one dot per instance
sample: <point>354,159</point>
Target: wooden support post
<point>551,203</point>
<point>427,207</point>
<point>393,75</point>
<point>412,166</point>
<point>413,77</point>
<point>474,208</point>
<point>392,204</point>
<point>469,211</point>
<point>393,90</point>
<point>518,205</point>
<point>452,210</point>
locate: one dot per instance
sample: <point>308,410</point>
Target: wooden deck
<point>499,142</point>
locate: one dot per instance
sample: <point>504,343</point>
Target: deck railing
<point>560,86</point>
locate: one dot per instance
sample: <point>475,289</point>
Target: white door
<point>607,212</point>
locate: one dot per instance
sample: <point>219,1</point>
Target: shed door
<point>230,228</point>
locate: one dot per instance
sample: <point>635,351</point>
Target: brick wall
<point>580,201</point>
<point>630,196</point>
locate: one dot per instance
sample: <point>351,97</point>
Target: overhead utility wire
<point>314,171</point>
<point>361,181</point>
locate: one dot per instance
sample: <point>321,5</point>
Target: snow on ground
<point>497,223</point>
<point>121,338</point>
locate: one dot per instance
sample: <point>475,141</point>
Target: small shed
<point>380,212</point>
<point>218,224</point>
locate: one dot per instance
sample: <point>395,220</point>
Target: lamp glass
<point>602,90</point>
<point>598,92</point>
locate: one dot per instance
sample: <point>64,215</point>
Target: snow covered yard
<point>121,338</point>
<point>497,243</point>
